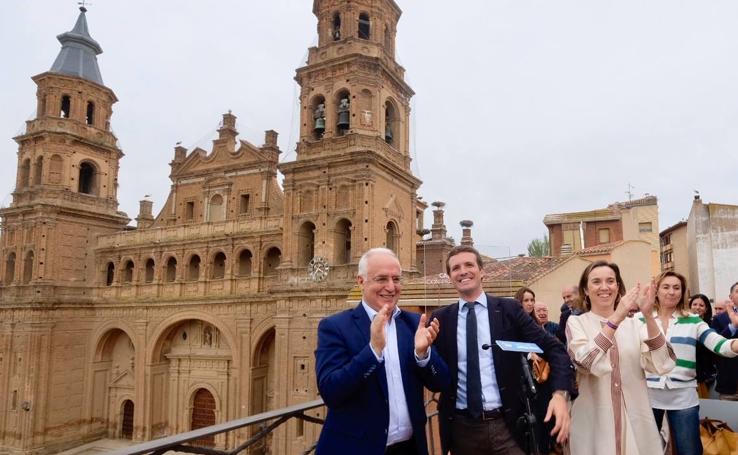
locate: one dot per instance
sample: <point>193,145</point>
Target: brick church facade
<point>206,311</point>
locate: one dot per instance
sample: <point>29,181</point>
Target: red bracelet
<point>612,325</point>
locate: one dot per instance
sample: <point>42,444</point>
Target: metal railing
<point>268,422</point>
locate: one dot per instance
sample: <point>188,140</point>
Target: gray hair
<point>373,252</point>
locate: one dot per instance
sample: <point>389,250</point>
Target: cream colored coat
<point>612,414</point>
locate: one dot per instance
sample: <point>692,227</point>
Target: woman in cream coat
<point>612,353</point>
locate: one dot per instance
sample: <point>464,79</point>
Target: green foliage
<point>538,248</point>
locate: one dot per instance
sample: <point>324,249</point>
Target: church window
<point>66,104</point>
<point>193,268</point>
<point>149,272</point>
<point>364,26</point>
<point>387,40</point>
<point>306,243</point>
<point>271,261</point>
<point>244,263</point>
<point>216,209</point>
<point>90,113</point>
<point>109,274</point>
<point>218,271</point>
<point>342,242</point>
<point>336,32</point>
<point>317,108</point>
<point>87,178</point>
<point>391,125</point>
<point>25,173</point>
<point>128,272</point>
<point>10,269</point>
<point>28,268</point>
<point>38,171</point>
<point>171,270</point>
<point>343,110</point>
<point>243,207</point>
<point>391,241</point>
<point>189,210</point>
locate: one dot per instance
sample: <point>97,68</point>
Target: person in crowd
<point>541,312</point>
<point>571,305</point>
<point>372,362</point>
<point>478,413</point>
<point>610,351</point>
<point>527,299</point>
<point>726,381</point>
<point>720,307</point>
<point>675,393</point>
<point>699,304</point>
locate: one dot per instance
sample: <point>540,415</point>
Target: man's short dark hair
<point>732,288</point>
<point>463,249</point>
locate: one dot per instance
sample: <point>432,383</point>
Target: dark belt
<point>486,415</point>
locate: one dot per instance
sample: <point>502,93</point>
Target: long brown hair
<point>682,305</point>
<point>584,298</point>
<point>520,295</point>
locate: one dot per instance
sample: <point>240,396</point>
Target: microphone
<point>486,346</point>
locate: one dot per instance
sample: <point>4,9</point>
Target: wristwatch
<point>563,393</point>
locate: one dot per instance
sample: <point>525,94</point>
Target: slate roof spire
<point>78,55</point>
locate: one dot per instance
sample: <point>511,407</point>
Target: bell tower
<point>67,179</point>
<point>351,188</point>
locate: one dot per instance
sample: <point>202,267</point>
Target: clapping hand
<point>378,330</point>
<point>647,299</point>
<point>629,302</point>
<point>425,336</point>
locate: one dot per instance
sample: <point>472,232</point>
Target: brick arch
<point>163,329</point>
<point>104,330</point>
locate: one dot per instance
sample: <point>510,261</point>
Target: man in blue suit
<point>372,363</point>
<point>726,383</point>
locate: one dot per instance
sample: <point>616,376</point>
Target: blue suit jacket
<point>353,384</point>
<point>727,368</point>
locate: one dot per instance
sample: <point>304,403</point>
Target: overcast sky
<point>522,108</point>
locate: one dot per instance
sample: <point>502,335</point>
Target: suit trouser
<point>474,436</point>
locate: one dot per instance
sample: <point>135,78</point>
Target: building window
<point>193,268</point>
<point>90,118</point>
<point>128,272</point>
<point>391,241</point>
<point>28,268</point>
<point>87,178</point>
<point>219,266</point>
<point>306,243</point>
<point>171,270</point>
<point>149,271</point>
<point>604,235</point>
<point>271,261</point>
<point>38,171</point>
<point>216,209</point>
<point>245,205</point>
<point>342,242</point>
<point>25,173</point>
<point>645,227</point>
<point>244,263</point>
<point>10,269</point>
<point>336,32</point>
<point>109,274</point>
<point>189,210</point>
<point>66,104</point>
<point>364,26</point>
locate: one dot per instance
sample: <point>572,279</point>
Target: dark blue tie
<point>473,379</point>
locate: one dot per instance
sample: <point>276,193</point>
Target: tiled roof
<point>603,248</point>
<point>612,212</point>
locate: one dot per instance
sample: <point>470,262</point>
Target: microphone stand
<point>526,422</point>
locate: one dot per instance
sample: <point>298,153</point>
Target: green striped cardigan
<point>684,333</point>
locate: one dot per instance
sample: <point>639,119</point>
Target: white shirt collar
<point>481,299</point>
<point>371,312</point>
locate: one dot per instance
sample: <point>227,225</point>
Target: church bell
<point>320,124</point>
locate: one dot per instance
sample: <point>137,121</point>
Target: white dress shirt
<point>400,428</point>
<point>490,391</point>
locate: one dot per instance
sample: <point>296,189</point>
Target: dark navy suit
<point>508,322</point>
<point>353,384</point>
<point>727,368</point>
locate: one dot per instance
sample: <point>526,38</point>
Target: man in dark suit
<point>372,362</point>
<point>480,410</point>
<point>726,323</point>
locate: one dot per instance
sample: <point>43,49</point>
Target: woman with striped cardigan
<point>675,393</point>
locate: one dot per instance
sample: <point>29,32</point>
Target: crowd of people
<point>621,363</point>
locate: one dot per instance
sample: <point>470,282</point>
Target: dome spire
<point>78,55</point>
